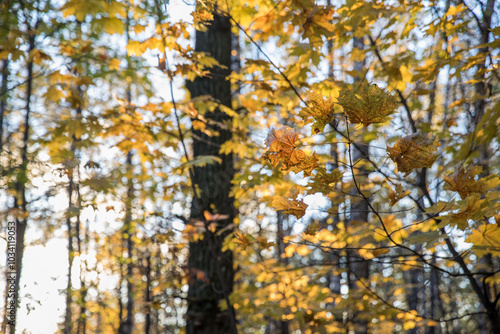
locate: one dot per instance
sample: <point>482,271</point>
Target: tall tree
<point>210,269</point>
<point>30,12</point>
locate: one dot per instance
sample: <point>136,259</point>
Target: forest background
<point>263,166</point>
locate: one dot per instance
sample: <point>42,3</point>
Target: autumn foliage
<point>361,140</point>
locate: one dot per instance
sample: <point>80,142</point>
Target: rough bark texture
<point>210,270</point>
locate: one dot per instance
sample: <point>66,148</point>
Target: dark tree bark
<point>211,270</point>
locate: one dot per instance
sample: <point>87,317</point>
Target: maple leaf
<point>322,181</point>
<point>306,165</point>
<point>370,105</point>
<point>464,183</point>
<point>396,195</point>
<point>414,151</point>
<point>321,112</point>
<point>486,239</point>
<point>473,207</point>
<point>282,148</point>
<point>290,206</point>
<point>282,139</point>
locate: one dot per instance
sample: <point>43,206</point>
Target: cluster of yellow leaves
<point>369,105</point>
<point>281,148</point>
<point>93,7</point>
<point>414,151</point>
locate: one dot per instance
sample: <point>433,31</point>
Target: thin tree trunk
<point>82,318</point>
<point>359,209</point>
<point>3,106</point>
<point>211,270</point>
<point>279,326</point>
<point>333,279</point>
<point>147,293</point>
<point>128,324</point>
<point>68,324</point>
<point>20,201</point>
<point>156,312</point>
<point>435,300</point>
<point>120,287</point>
<point>359,267</point>
<point>3,99</point>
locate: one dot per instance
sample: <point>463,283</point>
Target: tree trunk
<point>489,300</point>
<point>68,324</point>
<point>82,301</point>
<point>211,270</point>
<point>3,106</point>
<point>128,324</point>
<point>3,99</point>
<point>119,289</point>
<point>359,268</point>
<point>20,201</point>
<point>147,294</point>
<point>359,210</point>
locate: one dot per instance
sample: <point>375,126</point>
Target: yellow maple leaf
<point>321,112</point>
<point>414,151</point>
<point>324,181</point>
<point>486,239</point>
<point>370,104</point>
<point>281,148</point>
<point>306,164</point>
<point>464,182</point>
<point>282,139</point>
<point>471,208</point>
<point>290,206</point>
